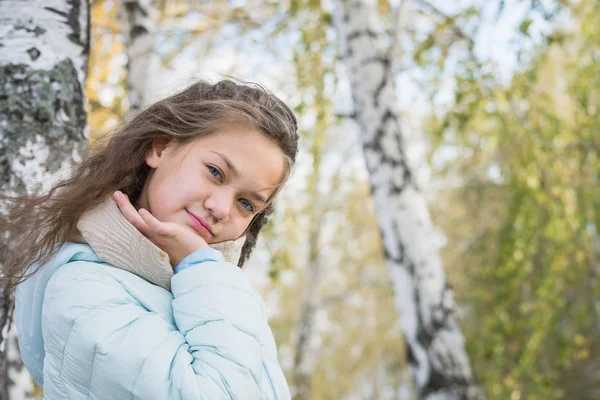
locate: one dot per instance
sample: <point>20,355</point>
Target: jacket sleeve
<point>100,340</point>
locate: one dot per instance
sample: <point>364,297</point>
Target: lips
<point>200,224</point>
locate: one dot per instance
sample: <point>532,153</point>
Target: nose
<point>219,204</point>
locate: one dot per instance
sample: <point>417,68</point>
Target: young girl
<point>127,274</point>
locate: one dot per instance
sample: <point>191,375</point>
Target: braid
<point>254,229</point>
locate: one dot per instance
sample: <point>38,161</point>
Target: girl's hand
<point>175,240</point>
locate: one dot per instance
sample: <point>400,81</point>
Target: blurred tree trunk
<point>43,128</point>
<point>434,341</point>
<point>138,24</point>
<point>311,72</point>
<point>303,362</point>
<point>303,368</point>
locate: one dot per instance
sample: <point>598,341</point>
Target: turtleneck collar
<point>120,244</point>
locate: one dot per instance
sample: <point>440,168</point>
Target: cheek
<point>244,225</point>
<point>158,199</point>
<point>237,227</point>
<point>165,196</point>
<point>177,185</point>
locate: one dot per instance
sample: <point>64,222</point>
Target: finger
<point>130,213</point>
<point>157,227</point>
<point>125,206</point>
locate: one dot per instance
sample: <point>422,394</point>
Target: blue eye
<point>246,204</point>
<point>215,172</point>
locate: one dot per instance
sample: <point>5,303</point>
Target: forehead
<point>258,160</point>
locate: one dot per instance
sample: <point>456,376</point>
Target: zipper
<point>270,381</point>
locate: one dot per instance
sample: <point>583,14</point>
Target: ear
<point>157,151</point>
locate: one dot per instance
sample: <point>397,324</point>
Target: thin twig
<point>455,28</point>
<point>400,17</point>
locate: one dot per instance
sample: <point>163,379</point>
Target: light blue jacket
<point>88,330</point>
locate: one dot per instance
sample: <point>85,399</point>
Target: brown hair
<point>37,223</point>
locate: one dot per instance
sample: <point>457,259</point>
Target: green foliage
<point>523,225</point>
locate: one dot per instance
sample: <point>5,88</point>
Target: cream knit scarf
<point>121,245</point>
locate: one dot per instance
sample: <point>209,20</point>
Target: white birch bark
<point>138,24</point>
<point>44,47</point>
<point>435,344</point>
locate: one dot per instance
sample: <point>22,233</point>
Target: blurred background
<point>497,103</point>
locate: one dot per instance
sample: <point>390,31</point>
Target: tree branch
<point>455,28</point>
<point>400,16</point>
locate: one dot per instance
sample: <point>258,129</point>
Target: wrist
<point>204,254</point>
<point>176,259</point>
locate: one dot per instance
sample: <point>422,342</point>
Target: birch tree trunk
<point>44,47</point>
<point>138,24</point>
<point>435,344</point>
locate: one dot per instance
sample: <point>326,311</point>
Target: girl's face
<point>214,184</point>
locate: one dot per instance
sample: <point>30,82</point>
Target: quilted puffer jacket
<point>88,329</point>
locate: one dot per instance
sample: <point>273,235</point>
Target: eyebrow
<point>228,162</point>
<point>259,198</point>
<point>234,171</point>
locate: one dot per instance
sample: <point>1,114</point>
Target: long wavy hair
<point>37,223</point>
